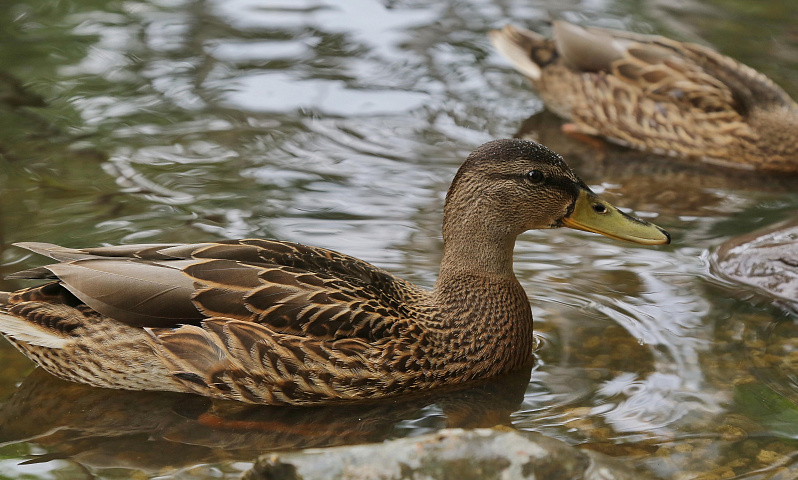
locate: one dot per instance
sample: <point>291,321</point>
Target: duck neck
<point>480,298</point>
<point>476,270</point>
<point>468,245</point>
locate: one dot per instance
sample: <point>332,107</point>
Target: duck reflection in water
<point>161,431</point>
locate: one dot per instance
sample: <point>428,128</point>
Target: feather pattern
<point>255,320</point>
<point>656,94</point>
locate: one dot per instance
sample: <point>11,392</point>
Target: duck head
<point>506,187</point>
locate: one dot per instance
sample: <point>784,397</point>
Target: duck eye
<point>535,176</point>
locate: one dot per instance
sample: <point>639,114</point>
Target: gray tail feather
<point>32,273</point>
<point>513,43</point>
<point>56,252</point>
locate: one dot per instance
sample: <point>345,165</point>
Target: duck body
<point>279,323</point>
<point>660,95</point>
<point>225,319</point>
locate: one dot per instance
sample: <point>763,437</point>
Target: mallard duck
<point>273,322</point>
<point>656,94</point>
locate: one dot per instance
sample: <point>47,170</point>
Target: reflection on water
<point>100,428</point>
<point>340,124</point>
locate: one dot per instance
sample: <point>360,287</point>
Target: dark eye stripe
<point>563,184</point>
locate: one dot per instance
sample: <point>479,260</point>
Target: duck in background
<point>656,94</point>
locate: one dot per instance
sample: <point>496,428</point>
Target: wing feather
<point>290,288</point>
<point>136,293</point>
<point>256,364</point>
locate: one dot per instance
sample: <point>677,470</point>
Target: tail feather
<point>56,252</point>
<point>38,273</point>
<point>515,43</point>
<point>31,333</point>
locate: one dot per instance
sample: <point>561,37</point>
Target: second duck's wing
<point>738,85</point>
<point>644,91</point>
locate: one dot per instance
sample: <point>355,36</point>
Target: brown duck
<point>657,94</point>
<point>273,322</point>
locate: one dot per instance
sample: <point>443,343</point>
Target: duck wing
<point>289,288</point>
<point>703,72</point>
<point>678,71</point>
<point>644,91</point>
<point>253,320</point>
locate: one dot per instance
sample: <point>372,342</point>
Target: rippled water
<point>340,124</point>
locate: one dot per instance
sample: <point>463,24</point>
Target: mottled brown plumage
<point>272,322</point>
<point>657,94</point>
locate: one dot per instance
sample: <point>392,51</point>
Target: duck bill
<point>592,214</point>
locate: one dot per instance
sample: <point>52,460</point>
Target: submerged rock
<point>766,259</point>
<point>456,454</point>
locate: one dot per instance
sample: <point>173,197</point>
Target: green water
<point>340,124</point>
